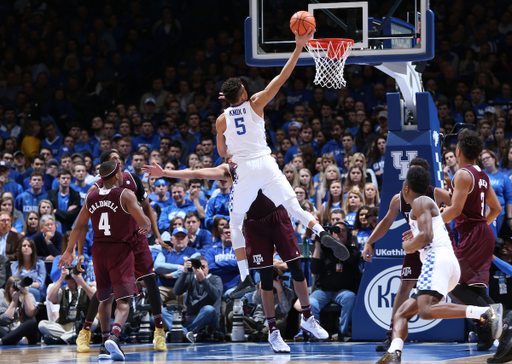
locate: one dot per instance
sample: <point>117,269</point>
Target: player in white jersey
<point>440,272</point>
<point>241,135</point>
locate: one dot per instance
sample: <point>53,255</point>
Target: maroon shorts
<point>474,253</point>
<point>261,235</point>
<point>143,259</point>
<point>113,268</point>
<point>411,268</point>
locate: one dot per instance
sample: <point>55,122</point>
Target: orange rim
<point>331,45</point>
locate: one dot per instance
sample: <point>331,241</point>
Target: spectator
<point>74,299</point>
<point>157,93</point>
<point>500,274</point>
<point>45,207</point>
<point>218,224</point>
<point>162,193</point>
<point>169,264</point>
<point>200,239</point>
<point>10,241</point>
<point>376,157</point>
<point>354,179</point>
<point>29,199</point>
<point>334,146</point>
<point>336,281</point>
<point>180,207</point>
<point>291,174</point>
<point>31,143</point>
<point>335,201</point>
<point>371,195</point>
<point>38,165</point>
<point>27,265</point>
<point>8,184</point>
<point>352,203</point>
<point>332,173</point>
<point>31,225</point>
<point>360,160</point>
<point>382,130</point>
<point>477,102</point>
<point>222,261</point>
<point>204,292</point>
<point>15,304</point>
<point>218,206</point>
<point>48,241</point>
<point>79,174</point>
<point>66,200</point>
<point>7,205</point>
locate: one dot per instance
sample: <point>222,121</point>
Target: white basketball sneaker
<point>276,341</point>
<point>312,326</point>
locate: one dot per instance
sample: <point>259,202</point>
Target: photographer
<point>204,292</point>
<point>74,301</point>
<point>17,311</point>
<point>337,281</point>
<point>500,282</point>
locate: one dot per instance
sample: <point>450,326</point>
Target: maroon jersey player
<point>411,267</point>
<point>116,218</point>
<point>474,207</point>
<point>266,225</point>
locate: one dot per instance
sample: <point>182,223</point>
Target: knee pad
<point>293,208</point>
<point>295,269</point>
<point>266,278</point>
<point>237,237</point>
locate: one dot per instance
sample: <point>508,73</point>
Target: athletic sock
<point>158,320</point>
<point>306,312</point>
<point>396,344</point>
<point>244,271</point>
<point>116,329</point>
<point>104,336</point>
<point>475,312</point>
<point>87,325</point>
<point>272,324</point>
<point>318,229</point>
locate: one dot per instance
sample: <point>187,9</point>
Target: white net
<point>330,56</point>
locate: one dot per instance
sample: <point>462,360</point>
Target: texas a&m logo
<point>257,259</point>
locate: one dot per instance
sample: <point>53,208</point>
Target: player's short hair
<point>232,89</point>
<point>470,144</point>
<point>420,162</point>
<point>105,156</point>
<point>418,180</point>
<point>107,168</point>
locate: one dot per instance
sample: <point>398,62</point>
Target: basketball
<point>302,21</point>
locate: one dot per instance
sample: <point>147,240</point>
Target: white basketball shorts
<point>440,271</point>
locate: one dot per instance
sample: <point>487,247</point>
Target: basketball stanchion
<point>330,55</point>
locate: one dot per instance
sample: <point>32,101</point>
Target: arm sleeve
<point>180,286</point>
<point>140,192</point>
<point>503,266</point>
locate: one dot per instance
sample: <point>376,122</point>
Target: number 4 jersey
<point>110,222</point>
<point>474,208</point>
<point>245,133</point>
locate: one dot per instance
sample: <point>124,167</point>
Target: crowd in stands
<point>74,83</point>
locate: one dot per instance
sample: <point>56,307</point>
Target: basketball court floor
<point>320,353</point>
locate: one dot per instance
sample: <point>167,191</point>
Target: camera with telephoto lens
<point>196,263</point>
<point>74,270</point>
<point>25,282</point>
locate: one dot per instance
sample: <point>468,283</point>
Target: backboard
<point>383,31</point>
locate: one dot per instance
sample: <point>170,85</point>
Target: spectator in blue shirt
<point>218,206</point>
<point>222,261</point>
<point>37,165</point>
<point>200,239</point>
<point>197,197</point>
<point>169,263</point>
<point>79,173</point>
<point>502,187</point>
<point>8,184</point>
<point>335,146</point>
<point>147,137</point>
<point>29,200</point>
<point>162,196</point>
<point>299,94</point>
<point>180,207</point>
<point>477,102</point>
<point>27,265</point>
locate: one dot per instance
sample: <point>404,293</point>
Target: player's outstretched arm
<point>494,210</point>
<point>130,204</point>
<point>382,227</point>
<point>424,218</point>
<point>463,182</point>
<point>262,98</point>
<point>79,228</point>
<point>221,172</point>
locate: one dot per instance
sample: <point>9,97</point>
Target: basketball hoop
<point>330,55</point>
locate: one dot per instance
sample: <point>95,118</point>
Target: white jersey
<point>245,133</point>
<point>441,238</point>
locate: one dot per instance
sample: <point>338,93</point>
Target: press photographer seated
<point>74,301</point>
<point>17,312</point>
<point>500,281</point>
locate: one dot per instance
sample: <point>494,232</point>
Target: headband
<point>113,172</point>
